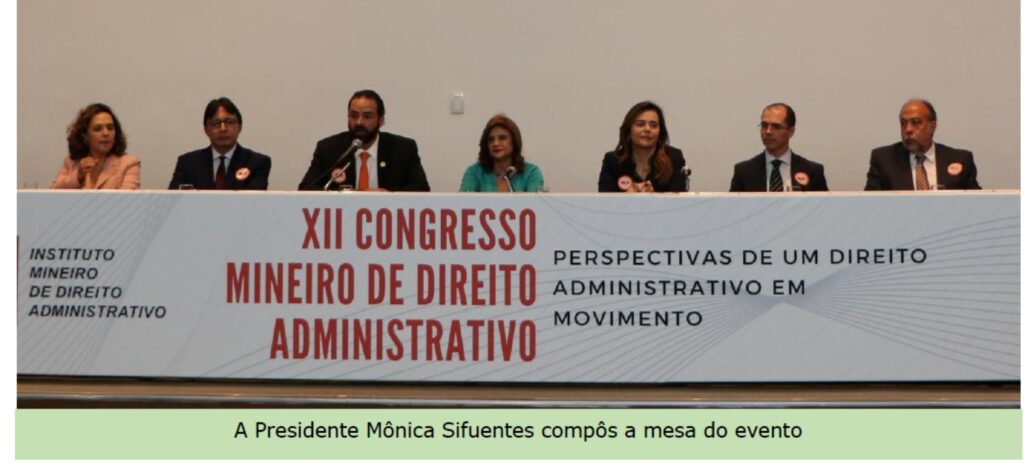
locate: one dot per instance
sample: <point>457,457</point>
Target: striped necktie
<point>921,183</point>
<point>776,178</point>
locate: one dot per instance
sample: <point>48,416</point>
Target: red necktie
<point>364,172</point>
<point>218,181</point>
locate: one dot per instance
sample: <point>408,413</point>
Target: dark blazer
<point>612,170</point>
<point>398,163</point>
<point>196,168</point>
<point>890,169</point>
<point>752,175</point>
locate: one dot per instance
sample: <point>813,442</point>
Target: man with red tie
<point>917,163</point>
<point>381,162</point>
<point>225,164</point>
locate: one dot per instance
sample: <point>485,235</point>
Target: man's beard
<point>364,134</point>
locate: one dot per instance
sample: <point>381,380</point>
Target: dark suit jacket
<point>890,169</point>
<point>398,163</point>
<point>752,175</point>
<point>196,168</point>
<point>612,170</point>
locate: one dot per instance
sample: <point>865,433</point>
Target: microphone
<point>686,176</point>
<point>509,173</point>
<point>356,144</point>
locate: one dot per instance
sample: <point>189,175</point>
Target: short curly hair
<point>78,145</point>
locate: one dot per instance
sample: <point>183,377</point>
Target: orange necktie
<point>364,172</point>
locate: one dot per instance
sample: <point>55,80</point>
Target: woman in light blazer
<point>96,153</point>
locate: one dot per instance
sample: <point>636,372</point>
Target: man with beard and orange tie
<point>378,162</point>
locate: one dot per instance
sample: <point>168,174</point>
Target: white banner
<point>520,288</point>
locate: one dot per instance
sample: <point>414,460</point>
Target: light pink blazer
<point>119,172</point>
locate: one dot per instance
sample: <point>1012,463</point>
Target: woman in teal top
<point>501,161</point>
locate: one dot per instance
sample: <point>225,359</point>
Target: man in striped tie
<point>917,163</point>
<point>778,168</point>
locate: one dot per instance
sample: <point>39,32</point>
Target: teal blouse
<point>477,179</point>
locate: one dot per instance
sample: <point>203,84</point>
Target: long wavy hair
<point>78,130</point>
<point>661,164</point>
<point>501,121</point>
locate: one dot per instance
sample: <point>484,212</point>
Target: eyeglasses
<point>229,122</point>
<point>773,126</point>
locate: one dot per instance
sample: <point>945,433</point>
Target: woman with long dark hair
<point>643,161</point>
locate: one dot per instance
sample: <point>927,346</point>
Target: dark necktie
<point>776,179</point>
<point>218,180</point>
<point>921,183</point>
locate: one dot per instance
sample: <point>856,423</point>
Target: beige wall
<point>566,71</point>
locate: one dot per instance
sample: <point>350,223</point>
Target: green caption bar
<point>519,434</point>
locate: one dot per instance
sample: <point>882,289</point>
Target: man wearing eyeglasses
<point>917,163</point>
<point>224,164</point>
<point>778,169</point>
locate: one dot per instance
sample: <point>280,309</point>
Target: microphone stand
<point>330,179</point>
<point>509,173</point>
<point>356,144</point>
